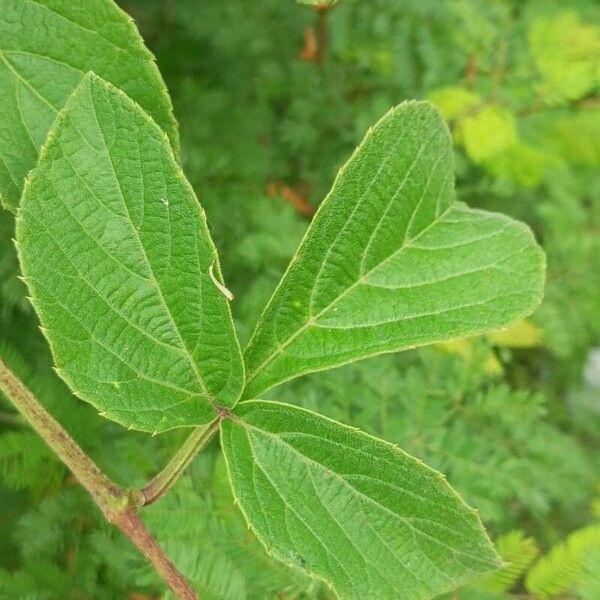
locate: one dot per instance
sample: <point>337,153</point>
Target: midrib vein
<point>184,346</point>
<point>81,277</point>
<point>309,461</point>
<point>367,562</point>
<point>288,506</point>
<point>26,82</point>
<point>370,457</point>
<point>138,373</point>
<point>312,319</point>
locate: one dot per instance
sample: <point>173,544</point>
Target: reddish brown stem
<point>322,32</point>
<point>130,523</point>
<point>118,505</point>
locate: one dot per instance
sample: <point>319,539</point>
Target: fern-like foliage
<point>12,290</point>
<point>518,551</point>
<point>567,563</point>
<point>497,445</point>
<point>27,463</point>
<point>589,584</point>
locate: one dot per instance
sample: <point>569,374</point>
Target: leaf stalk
<point>165,480</point>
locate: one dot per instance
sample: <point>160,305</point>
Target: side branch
<point>118,505</point>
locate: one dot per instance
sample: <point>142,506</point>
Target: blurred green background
<point>271,98</point>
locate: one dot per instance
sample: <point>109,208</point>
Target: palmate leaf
<point>46,48</point>
<point>116,252</point>
<point>357,512</point>
<point>391,261</point>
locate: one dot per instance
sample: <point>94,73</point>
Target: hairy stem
<point>117,505</point>
<point>165,480</point>
<point>107,495</point>
<point>130,523</point>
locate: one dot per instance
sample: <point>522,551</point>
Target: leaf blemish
<point>227,293</point>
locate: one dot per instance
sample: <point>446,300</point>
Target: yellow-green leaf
<point>567,55</point>
<point>454,101</point>
<point>488,133</point>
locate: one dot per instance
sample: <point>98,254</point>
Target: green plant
<point>128,288</point>
<point>567,570</point>
<point>570,564</point>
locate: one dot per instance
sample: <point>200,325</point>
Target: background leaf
<point>350,509</point>
<point>318,2</point>
<point>117,255</point>
<point>47,47</point>
<point>564,565</point>
<point>391,261</point>
<point>566,52</point>
<point>487,133</point>
<point>517,552</point>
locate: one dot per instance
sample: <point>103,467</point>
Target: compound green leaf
<point>391,261</point>
<point>122,271</point>
<point>357,512</point>
<point>47,47</point>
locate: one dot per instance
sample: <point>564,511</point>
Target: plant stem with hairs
<point>119,506</point>
<point>165,480</point>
